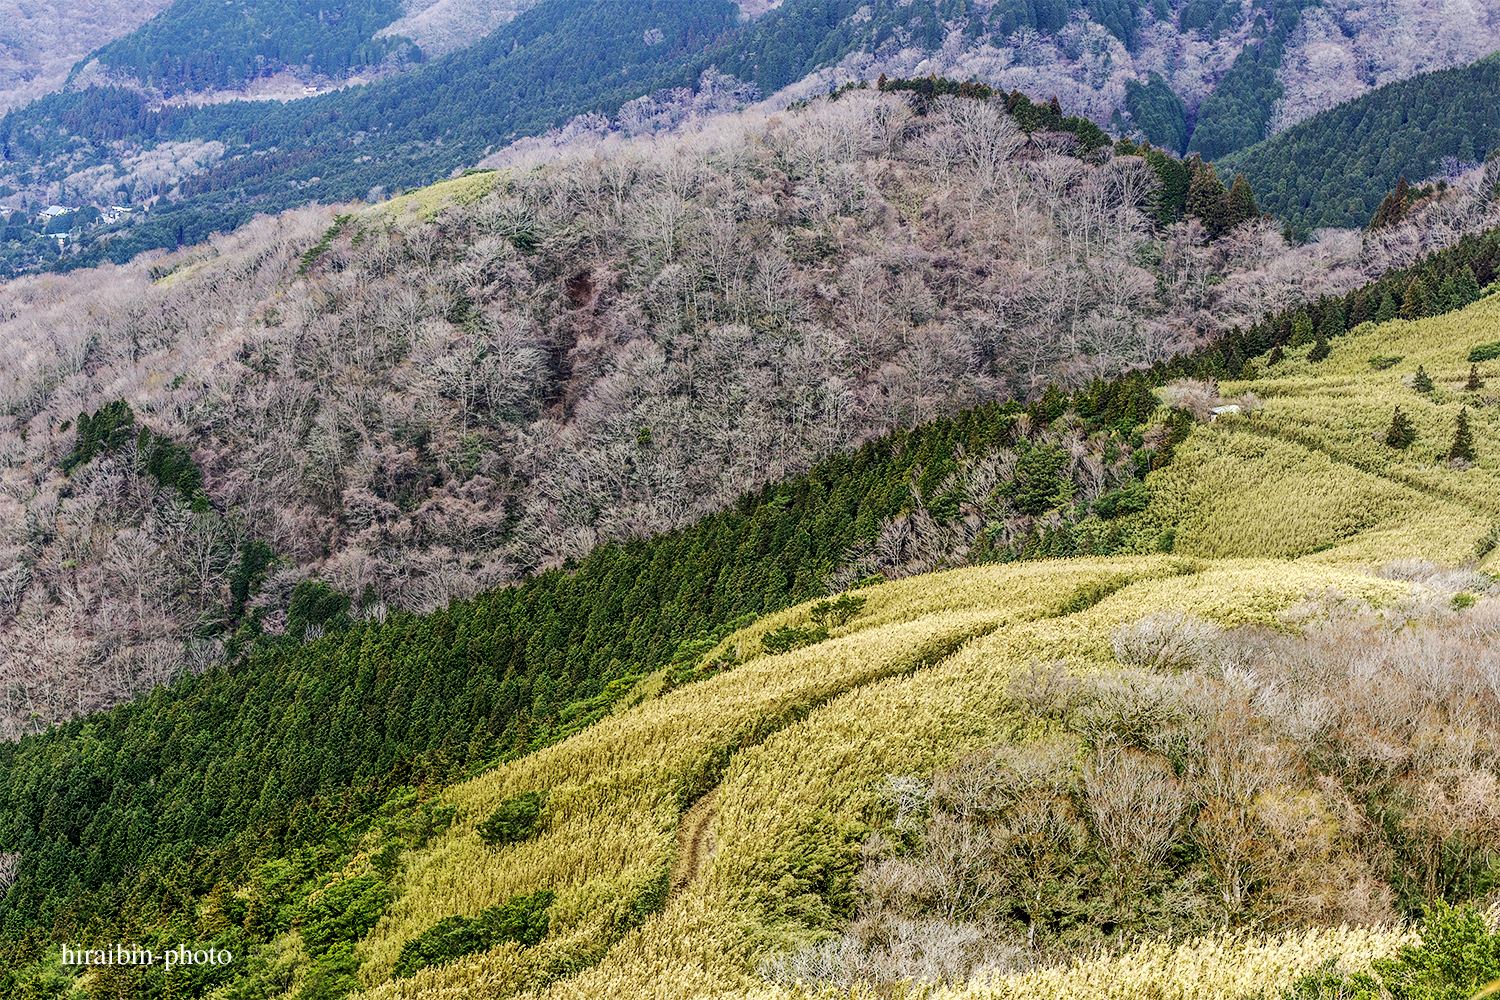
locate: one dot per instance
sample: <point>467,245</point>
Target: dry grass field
<point>1280,516</point>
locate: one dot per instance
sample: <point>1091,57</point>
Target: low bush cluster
<point>1245,779</point>
<point>513,820</point>
<point>522,919</point>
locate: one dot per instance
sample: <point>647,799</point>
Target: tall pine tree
<point>1333,320</point>
<point>1401,433</point>
<point>1206,198</point>
<point>1417,300</point>
<point>1241,202</point>
<point>1388,309</point>
<point>1462,449</point>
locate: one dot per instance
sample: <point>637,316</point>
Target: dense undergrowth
<point>1214,779</point>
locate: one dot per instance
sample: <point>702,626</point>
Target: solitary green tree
<point>1475,383</point>
<point>1359,308</point>
<point>1421,381</point>
<point>1206,197</point>
<point>1387,310</point>
<point>1401,433</point>
<point>1463,439</point>
<point>1333,320</point>
<point>1241,202</point>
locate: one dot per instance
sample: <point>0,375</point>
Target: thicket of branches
<point>1241,779</point>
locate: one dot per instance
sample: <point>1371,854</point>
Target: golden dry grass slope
<point>1294,500</point>
<point>1310,474</point>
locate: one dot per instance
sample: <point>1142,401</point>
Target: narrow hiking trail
<point>695,841</point>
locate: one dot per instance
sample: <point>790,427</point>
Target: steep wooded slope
<point>421,400</point>
<point>444,393</point>
<point>1333,169</point>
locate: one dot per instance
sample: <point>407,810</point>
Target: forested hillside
<point>253,39</point>
<point>420,400</point>
<point>1334,168</point>
<point>1143,716</point>
<point>1195,76</point>
<point>469,529</point>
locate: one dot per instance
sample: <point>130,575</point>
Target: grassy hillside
<point>925,673</point>
<point>1306,476</point>
<point>796,796</point>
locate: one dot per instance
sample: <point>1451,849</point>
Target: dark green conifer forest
<point>252,39</point>
<point>1336,168</point>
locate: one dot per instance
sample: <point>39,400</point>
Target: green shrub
<point>836,614</point>
<point>1485,352</point>
<point>317,606</point>
<point>343,911</point>
<point>1382,362</point>
<point>790,637</point>
<point>1458,955</point>
<point>1487,541</point>
<point>522,919</point>
<point>1128,499</point>
<point>514,820</point>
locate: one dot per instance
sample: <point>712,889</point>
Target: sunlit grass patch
<point>427,202</point>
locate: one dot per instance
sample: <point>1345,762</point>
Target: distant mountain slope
<point>538,70</point>
<point>1202,76</point>
<point>40,43</point>
<point>441,26</point>
<point>197,45</point>
<point>1238,72</point>
<point>1334,168</point>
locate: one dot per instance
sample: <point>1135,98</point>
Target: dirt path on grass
<point>695,841</point>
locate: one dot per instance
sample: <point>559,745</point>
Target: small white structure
<point>53,211</point>
<point>1219,411</point>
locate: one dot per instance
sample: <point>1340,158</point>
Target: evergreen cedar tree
<point>1475,382</point>
<point>1462,448</point>
<point>1393,207</point>
<point>1218,210</point>
<point>1401,433</point>
<point>1421,381</point>
<point>1302,331</point>
<point>1320,349</point>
